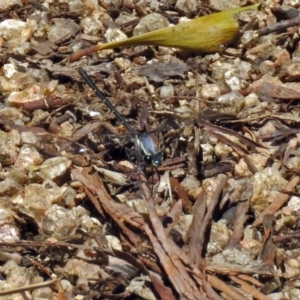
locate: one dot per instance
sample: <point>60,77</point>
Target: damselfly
<point>144,142</point>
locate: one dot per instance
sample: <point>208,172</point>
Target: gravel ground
<point>83,213</point>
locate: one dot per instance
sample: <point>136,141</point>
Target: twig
<point>280,26</point>
<point>212,204</point>
<point>28,288</point>
<point>239,221</point>
<point>170,255</point>
<point>222,286</point>
<point>195,240</point>
<point>249,289</point>
<point>278,202</point>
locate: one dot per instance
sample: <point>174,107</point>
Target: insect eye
<point>157,158</point>
<point>148,159</point>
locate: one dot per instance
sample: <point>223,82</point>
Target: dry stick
<point>179,278</point>
<point>120,213</point>
<point>249,289</point>
<point>182,194</point>
<point>164,291</point>
<point>159,228</point>
<point>212,294</point>
<point>212,204</point>
<point>170,255</point>
<point>24,296</point>
<point>174,214</point>
<point>94,201</point>
<point>248,278</point>
<point>268,249</point>
<point>278,202</point>
<point>28,288</point>
<point>279,26</point>
<point>193,238</point>
<point>239,221</point>
<point>222,286</point>
<point>47,244</point>
<point>285,238</point>
<point>58,286</point>
<point>234,271</point>
<point>214,128</point>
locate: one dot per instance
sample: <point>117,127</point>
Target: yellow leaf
<point>203,34</point>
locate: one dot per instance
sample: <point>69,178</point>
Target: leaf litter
<point>82,219</point>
